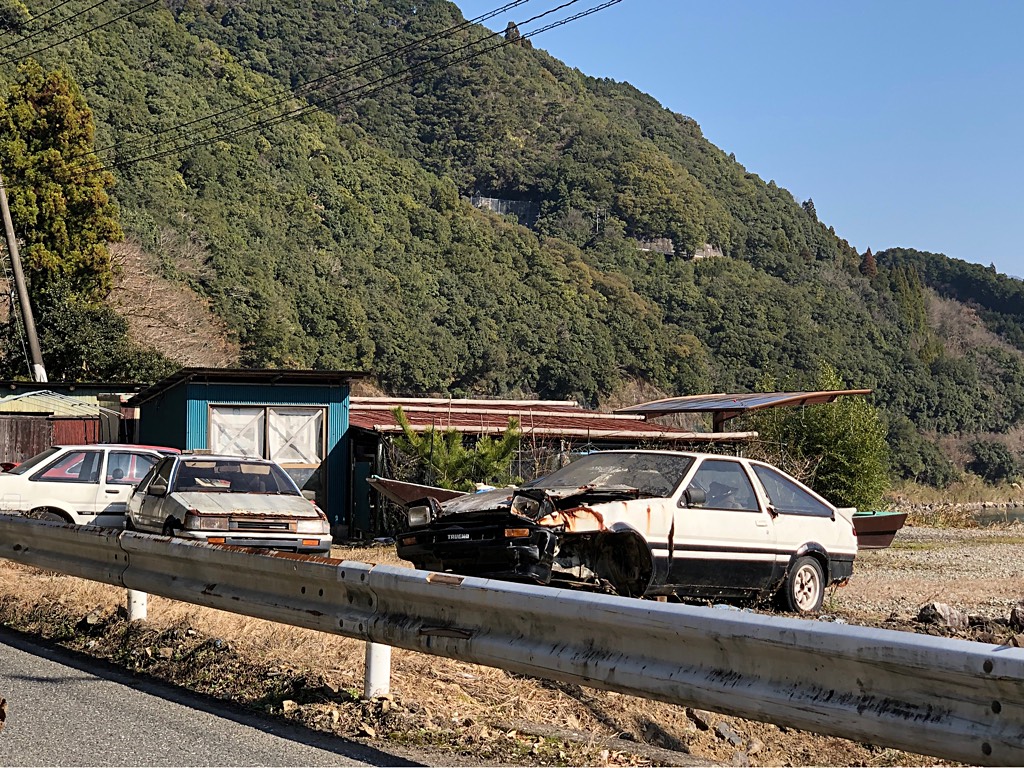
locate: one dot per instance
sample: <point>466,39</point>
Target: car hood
<point>501,498</point>
<point>246,503</point>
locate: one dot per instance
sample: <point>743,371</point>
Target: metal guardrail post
<point>137,605</point>
<point>377,678</point>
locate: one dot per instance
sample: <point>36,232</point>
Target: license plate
<point>457,536</point>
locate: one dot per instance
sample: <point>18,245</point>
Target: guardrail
<point>952,699</point>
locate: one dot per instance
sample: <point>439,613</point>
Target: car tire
<point>45,513</point>
<point>804,589</point>
<point>128,524</point>
<point>170,529</point>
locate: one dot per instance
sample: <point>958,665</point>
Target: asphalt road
<point>64,709</point>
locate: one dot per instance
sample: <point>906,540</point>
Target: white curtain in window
<point>237,431</point>
<point>296,435</point>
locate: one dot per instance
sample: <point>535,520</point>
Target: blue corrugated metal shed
<point>176,412</point>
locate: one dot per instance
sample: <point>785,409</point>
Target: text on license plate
<point>457,536</point>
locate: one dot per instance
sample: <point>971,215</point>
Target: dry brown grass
<point>970,490</point>
<point>166,315</point>
<point>438,702</point>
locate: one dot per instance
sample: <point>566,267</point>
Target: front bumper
<point>310,543</point>
<point>482,551</point>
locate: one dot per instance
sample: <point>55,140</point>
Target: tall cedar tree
<point>58,197</point>
<point>65,218</point>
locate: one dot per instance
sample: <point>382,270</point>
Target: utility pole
<point>38,371</point>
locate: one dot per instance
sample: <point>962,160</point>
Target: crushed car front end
<point>501,546</point>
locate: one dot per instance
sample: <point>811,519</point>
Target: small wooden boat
<point>876,530</point>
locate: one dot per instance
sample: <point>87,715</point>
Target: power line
<point>80,34</point>
<point>38,16</point>
<point>52,26</point>
<point>352,94</point>
<point>323,80</point>
<point>365,90</point>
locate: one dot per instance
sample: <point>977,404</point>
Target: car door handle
<point>762,523</point>
<point>111,490</point>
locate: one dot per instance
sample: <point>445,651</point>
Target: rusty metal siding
<point>24,436</point>
<point>76,431</point>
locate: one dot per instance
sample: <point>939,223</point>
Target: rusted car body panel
<point>646,523</point>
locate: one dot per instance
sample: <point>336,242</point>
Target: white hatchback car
<point>645,523</point>
<point>228,500</point>
<point>80,484</point>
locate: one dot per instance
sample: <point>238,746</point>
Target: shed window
<point>293,437</point>
<point>238,431</point>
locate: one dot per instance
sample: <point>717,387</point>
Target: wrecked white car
<point>243,502</point>
<point>645,523</point>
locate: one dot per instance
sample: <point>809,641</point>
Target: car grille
<point>260,525</point>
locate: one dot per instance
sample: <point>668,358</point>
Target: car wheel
<point>170,529</point>
<point>128,524</point>
<point>53,515</point>
<point>804,589</point>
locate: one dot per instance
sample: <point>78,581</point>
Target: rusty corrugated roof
<point>736,403</point>
<point>538,418</point>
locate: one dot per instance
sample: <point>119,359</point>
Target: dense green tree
<point>13,15</point>
<point>63,214</point>
<point>992,461</point>
<point>59,198</point>
<point>841,445</point>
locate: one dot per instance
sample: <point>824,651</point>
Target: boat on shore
<point>877,529</point>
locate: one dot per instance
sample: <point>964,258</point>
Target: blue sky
<point>902,119</point>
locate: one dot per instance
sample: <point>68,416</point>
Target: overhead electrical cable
<point>366,89</point>
<point>80,34</point>
<point>38,16</point>
<point>52,26</point>
<point>413,71</point>
<point>353,94</point>
<point>320,82</point>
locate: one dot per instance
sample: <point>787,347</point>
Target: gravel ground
<point>977,570</point>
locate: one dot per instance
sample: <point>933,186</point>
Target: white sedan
<point>80,484</point>
<point>228,500</point>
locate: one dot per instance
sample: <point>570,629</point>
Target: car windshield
<point>234,476</point>
<point>35,461</point>
<point>652,474</point>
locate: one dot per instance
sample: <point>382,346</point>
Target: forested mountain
<point>344,237</point>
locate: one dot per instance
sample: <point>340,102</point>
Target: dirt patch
<point>486,715</point>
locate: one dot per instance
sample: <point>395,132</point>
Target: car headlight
<point>194,522</point>
<point>419,516</point>
<point>531,506</point>
<point>422,512</point>
<point>312,526</point>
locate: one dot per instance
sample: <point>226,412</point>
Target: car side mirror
<point>158,489</point>
<point>695,497</point>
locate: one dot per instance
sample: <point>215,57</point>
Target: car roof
<point>120,446</point>
<point>222,457</point>
<point>663,452</point>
